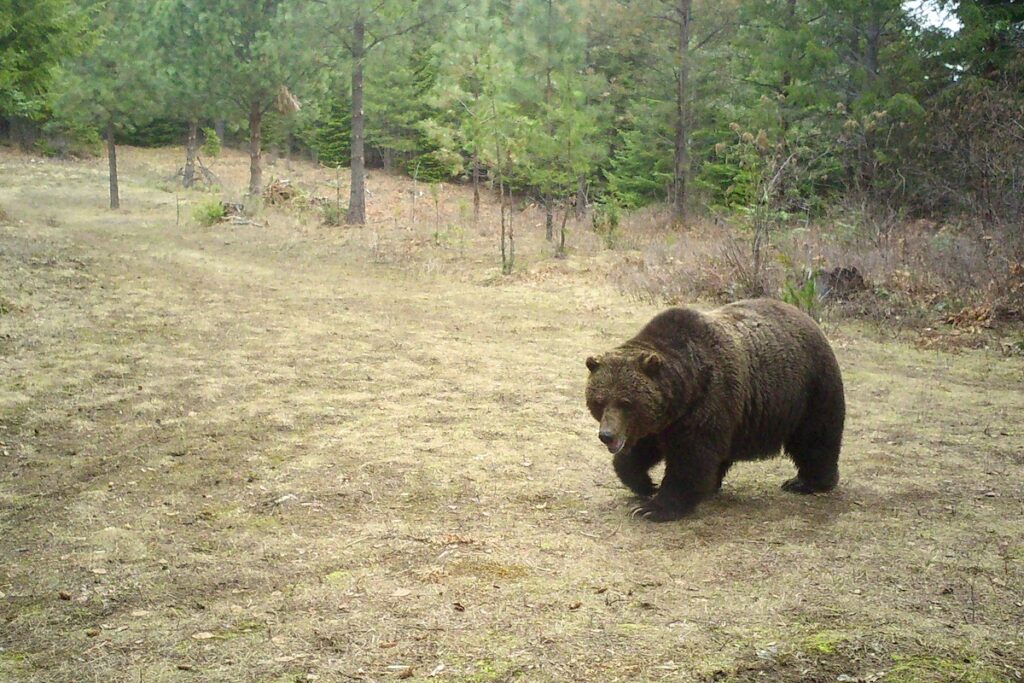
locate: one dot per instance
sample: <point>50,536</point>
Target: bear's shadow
<point>758,512</point>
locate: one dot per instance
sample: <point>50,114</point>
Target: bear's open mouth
<point>617,446</point>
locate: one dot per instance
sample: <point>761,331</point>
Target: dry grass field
<point>287,452</point>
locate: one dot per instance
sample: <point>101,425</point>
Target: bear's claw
<point>655,513</point>
<point>641,511</point>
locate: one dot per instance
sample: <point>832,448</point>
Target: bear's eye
<point>625,404</point>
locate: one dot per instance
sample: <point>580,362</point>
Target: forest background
<point>882,126</point>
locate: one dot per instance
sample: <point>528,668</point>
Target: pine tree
<point>188,70</point>
<point>109,86</point>
<point>401,80</point>
<point>991,41</point>
<point>256,55</point>
<point>469,88</point>
<point>362,29</point>
<point>640,169</point>
<point>35,37</point>
<point>333,137</point>
<point>549,48</point>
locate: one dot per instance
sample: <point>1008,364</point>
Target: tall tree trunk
<point>115,198</point>
<point>357,193</point>
<point>476,153</point>
<point>188,174</point>
<point>507,253</point>
<point>873,46</point>
<point>220,128</point>
<point>851,158</point>
<point>791,26</point>
<point>476,190</point>
<point>561,253</point>
<point>872,50</point>
<point>549,210</point>
<point>549,217</point>
<point>581,197</point>
<point>787,75</point>
<point>681,165</point>
<point>255,149</point>
<point>511,234</point>
<point>501,203</point>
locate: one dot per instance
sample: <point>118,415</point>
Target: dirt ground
<point>286,452</point>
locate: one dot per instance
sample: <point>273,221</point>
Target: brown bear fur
<point>704,390</point>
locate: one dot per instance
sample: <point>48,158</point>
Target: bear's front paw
<point>644,492</point>
<point>804,487</point>
<point>658,512</point>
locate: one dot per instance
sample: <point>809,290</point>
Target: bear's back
<point>788,367</point>
<point>767,360</point>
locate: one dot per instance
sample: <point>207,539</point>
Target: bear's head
<point>625,394</point>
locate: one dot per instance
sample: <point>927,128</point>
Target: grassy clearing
<point>282,451</point>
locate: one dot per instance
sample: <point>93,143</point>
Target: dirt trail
<point>284,453</point>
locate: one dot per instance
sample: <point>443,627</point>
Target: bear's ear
<point>650,363</point>
<point>593,364</point>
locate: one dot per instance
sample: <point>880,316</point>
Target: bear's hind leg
<point>632,466</point>
<point>814,448</point>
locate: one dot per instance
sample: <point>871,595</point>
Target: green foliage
<point>932,668</point>
<point>68,138</point>
<point>640,171</point>
<point>35,36</point>
<point>209,212</point>
<point>157,132</point>
<point>739,171</point>
<point>402,77</point>
<point>109,83</point>
<point>558,102</point>
<point>813,102</point>
<point>803,296</point>
<point>333,215</point>
<point>470,87</point>
<point>450,237</point>
<point>236,52</point>
<point>836,86</point>
<point>212,145</point>
<point>539,124</point>
<point>277,129</point>
<point>749,172</point>
<point>990,40</point>
<point>331,136</point>
<point>605,219</point>
<point>734,173</point>
<point>239,57</point>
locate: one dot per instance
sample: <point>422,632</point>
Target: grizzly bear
<point>704,390</point>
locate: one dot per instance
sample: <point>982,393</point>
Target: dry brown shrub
<point>972,156</point>
<point>708,261</point>
<point>279,192</point>
<point>918,273</point>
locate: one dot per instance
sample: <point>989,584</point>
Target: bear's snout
<point>612,442</point>
<point>613,430</point>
